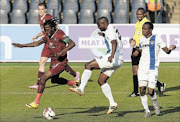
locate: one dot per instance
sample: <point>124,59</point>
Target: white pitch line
<point>6,93</point>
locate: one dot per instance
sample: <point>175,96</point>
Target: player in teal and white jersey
<point>108,63</point>
<point>150,46</point>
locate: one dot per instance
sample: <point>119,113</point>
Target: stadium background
<point>85,11</point>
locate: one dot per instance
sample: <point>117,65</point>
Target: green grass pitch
<point>93,105</point>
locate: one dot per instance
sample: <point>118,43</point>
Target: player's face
<point>140,15</point>
<point>41,10</point>
<point>146,31</point>
<point>49,31</point>
<point>101,25</point>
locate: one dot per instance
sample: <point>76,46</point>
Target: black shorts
<point>135,59</point>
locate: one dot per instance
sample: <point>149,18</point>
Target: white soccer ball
<point>49,113</point>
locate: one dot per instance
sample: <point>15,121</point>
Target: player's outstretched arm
<point>168,50</point>
<point>39,34</point>
<point>70,43</point>
<point>33,44</point>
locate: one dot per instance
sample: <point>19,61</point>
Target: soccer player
<point>56,41</point>
<point>108,63</point>
<point>45,52</point>
<point>150,46</point>
<point>135,59</point>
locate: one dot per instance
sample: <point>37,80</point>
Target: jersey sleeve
<point>111,35</point>
<point>44,38</point>
<point>140,43</point>
<point>160,42</point>
<point>63,37</point>
<point>48,16</point>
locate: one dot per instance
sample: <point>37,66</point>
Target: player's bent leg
<point>106,89</point>
<point>102,79</point>
<point>62,81</point>
<point>42,63</point>
<point>92,65</point>
<point>41,87</point>
<point>70,70</point>
<point>85,77</point>
<point>44,78</point>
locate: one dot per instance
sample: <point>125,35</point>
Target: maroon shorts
<point>45,52</point>
<point>57,68</point>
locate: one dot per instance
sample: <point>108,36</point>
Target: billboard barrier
<point>88,43</point>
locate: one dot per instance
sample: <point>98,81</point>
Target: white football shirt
<point>150,52</point>
<point>112,33</point>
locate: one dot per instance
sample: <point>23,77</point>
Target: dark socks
<point>39,76</point>
<point>135,83</point>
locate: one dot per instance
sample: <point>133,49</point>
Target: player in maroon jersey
<point>43,16</point>
<point>56,41</point>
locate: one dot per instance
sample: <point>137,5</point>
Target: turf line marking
<point>4,93</point>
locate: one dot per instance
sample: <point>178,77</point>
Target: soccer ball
<point>49,113</point>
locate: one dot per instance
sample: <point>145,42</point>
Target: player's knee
<point>134,70</point>
<point>142,91</point>
<point>151,92</point>
<point>101,83</point>
<point>54,80</point>
<point>42,80</point>
<point>42,62</point>
<point>88,66</point>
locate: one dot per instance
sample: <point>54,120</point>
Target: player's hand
<point>135,53</point>
<point>59,53</point>
<point>101,34</point>
<point>33,39</point>
<point>17,45</point>
<point>132,42</point>
<point>110,58</point>
<point>172,47</point>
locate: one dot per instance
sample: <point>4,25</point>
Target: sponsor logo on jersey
<point>51,45</point>
<point>152,42</point>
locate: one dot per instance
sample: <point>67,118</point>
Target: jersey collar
<point>54,33</point>
<point>43,16</point>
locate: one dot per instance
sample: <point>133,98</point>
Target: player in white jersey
<point>108,63</point>
<point>150,46</point>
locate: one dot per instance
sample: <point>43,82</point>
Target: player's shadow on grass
<point>122,113</point>
<point>172,88</point>
<point>168,111</point>
<point>94,110</point>
<point>91,110</point>
<point>53,86</point>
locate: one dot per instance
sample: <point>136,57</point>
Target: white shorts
<point>148,77</point>
<point>106,67</point>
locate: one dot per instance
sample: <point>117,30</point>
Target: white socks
<point>144,101</point>
<point>107,92</point>
<point>154,99</point>
<point>84,79</point>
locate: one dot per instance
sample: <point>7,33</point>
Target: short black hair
<point>43,4</point>
<point>52,22</point>
<point>105,18</point>
<point>151,26</point>
<point>142,9</point>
